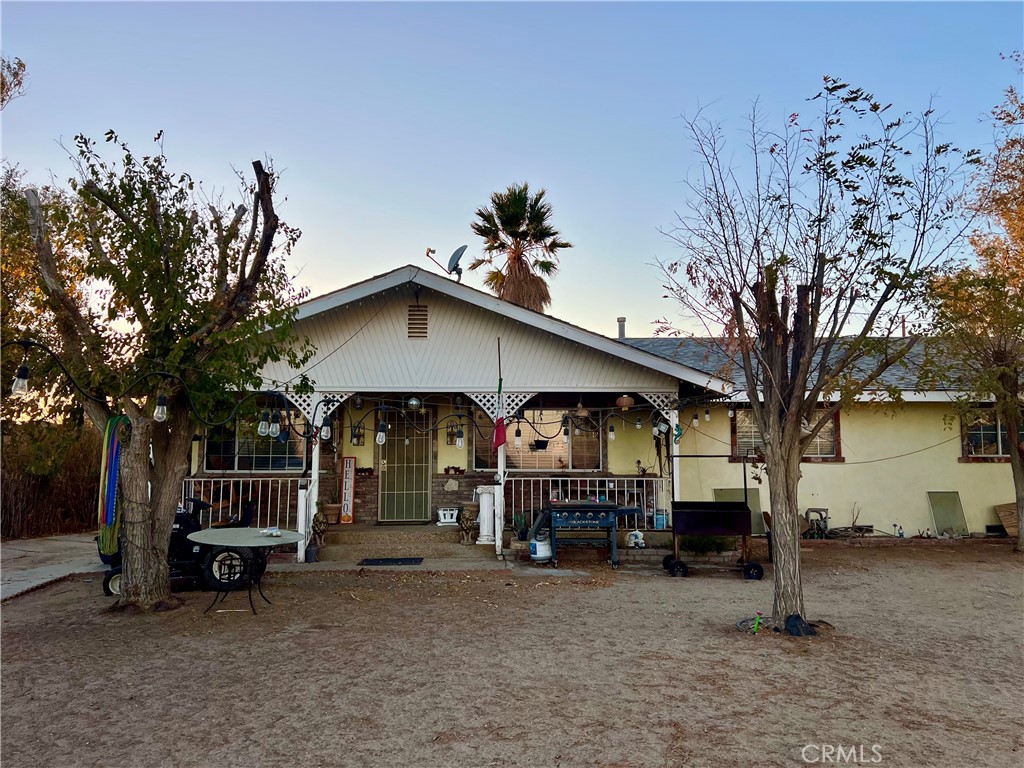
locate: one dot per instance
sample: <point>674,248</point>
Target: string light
<point>20,385</point>
<point>160,412</point>
<point>264,427</point>
<point>519,437</point>
<point>611,431</point>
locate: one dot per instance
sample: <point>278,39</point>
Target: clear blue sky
<point>393,122</point>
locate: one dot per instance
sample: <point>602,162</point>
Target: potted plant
<point>319,530</point>
<point>331,507</point>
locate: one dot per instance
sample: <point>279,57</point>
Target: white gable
<point>362,336</point>
<point>367,347</point>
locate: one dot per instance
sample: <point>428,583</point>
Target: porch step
<point>391,535</point>
<point>351,555</point>
<point>349,544</point>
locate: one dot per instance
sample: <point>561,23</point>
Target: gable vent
<point>417,321</point>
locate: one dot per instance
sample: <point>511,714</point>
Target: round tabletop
<point>244,537</point>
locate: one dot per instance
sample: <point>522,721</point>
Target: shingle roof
<point>707,355</point>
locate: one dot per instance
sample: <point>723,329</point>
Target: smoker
<point>711,518</point>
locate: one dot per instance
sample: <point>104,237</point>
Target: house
<point>915,465</point>
<point>406,376</point>
<point>406,372</point>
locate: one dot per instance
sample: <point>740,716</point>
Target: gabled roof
<point>706,354</point>
<point>417,276</point>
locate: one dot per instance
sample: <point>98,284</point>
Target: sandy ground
<point>486,669</point>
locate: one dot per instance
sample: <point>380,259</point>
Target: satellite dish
<point>453,262</point>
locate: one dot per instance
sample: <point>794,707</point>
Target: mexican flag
<point>499,422</point>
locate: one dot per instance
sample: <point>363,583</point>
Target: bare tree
<point>805,261</point>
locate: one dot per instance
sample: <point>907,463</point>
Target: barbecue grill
<point>711,518</point>
<point>577,519</point>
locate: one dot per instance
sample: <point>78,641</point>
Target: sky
<point>391,123</point>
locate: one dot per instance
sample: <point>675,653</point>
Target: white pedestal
<point>486,519</point>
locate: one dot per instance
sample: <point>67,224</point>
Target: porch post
<point>499,503</point>
<point>677,491</point>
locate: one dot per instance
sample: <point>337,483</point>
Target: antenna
<point>453,262</point>
<point>453,267</point>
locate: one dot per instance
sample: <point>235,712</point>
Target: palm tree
<point>517,226</point>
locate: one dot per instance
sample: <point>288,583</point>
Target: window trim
<point>206,470</point>
<point>975,458</point>
<point>838,458</point>
<point>509,440</point>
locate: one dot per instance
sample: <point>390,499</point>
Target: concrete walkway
<point>26,564</point>
<point>29,563</point>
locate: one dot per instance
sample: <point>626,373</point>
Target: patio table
<point>252,546</point>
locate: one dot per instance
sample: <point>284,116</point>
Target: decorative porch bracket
<point>307,402</point>
<point>488,401</point>
<point>663,403</point>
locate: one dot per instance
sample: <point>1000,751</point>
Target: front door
<point>405,470</point>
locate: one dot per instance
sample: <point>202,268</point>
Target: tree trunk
<point>146,583</point>
<point>1016,451</point>
<point>783,479</point>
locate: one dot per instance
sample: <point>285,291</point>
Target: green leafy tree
<point>804,263</point>
<point>980,309</point>
<point>516,228</point>
<point>186,299</point>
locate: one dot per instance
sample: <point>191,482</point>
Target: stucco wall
<point>892,458</point>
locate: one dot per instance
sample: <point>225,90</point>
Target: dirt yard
<point>923,668</point>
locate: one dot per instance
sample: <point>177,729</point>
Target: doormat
<point>391,561</point>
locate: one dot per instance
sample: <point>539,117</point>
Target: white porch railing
<point>276,499</point>
<point>526,496</point>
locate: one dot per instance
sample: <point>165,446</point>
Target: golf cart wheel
<point>112,582</point>
<point>754,571</point>
<point>226,568</point>
<point>666,561</point>
<point>678,568</point>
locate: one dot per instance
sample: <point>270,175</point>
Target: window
<point>985,435</point>
<point>544,446</point>
<point>746,437</point>
<point>237,448</point>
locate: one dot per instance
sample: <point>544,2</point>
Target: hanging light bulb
<point>357,403</point>
<point>577,431</point>
<point>519,438</point>
<point>565,434</point>
<point>460,438</point>
<point>325,428</point>
<point>707,414</point>
<point>382,433</point>
<point>406,439</point>
<point>731,413</point>
<point>696,419</point>
<point>264,428</point>
<point>611,431</point>
<point>638,424</point>
<point>20,385</point>
<point>275,424</point>
<point>160,412</point>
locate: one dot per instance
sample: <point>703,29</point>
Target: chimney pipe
<point>622,327</point>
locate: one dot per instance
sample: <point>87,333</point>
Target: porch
<point>290,502</point>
